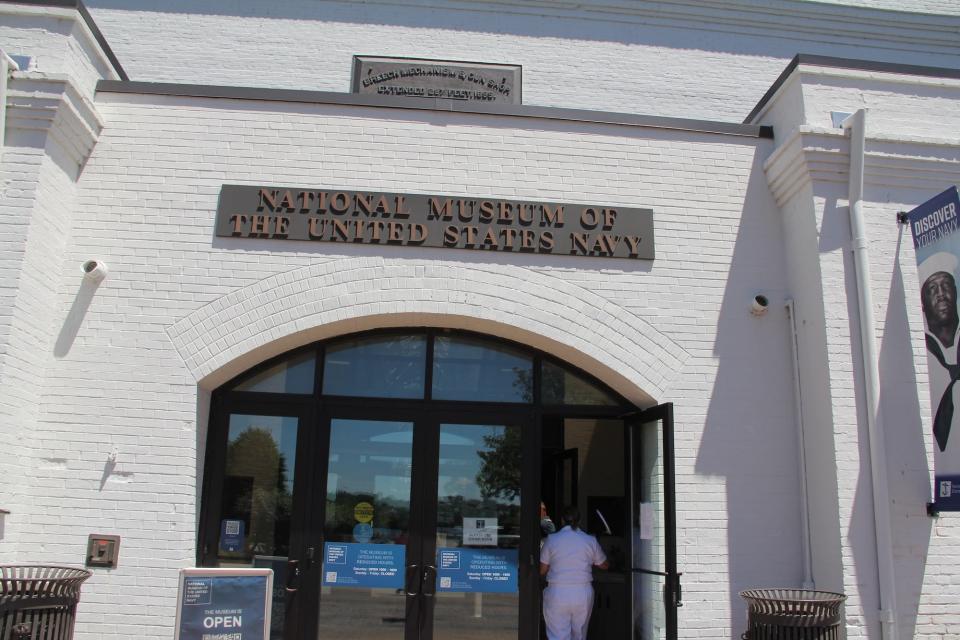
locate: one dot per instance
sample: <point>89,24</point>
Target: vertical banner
<point>936,240</point>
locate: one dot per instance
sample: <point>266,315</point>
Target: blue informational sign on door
<point>352,564</point>
<point>223,606</point>
<point>477,570</point>
<point>231,535</point>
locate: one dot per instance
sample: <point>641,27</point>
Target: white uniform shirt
<point>939,379</point>
<point>571,554</point>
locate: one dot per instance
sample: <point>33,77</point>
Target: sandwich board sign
<point>224,604</point>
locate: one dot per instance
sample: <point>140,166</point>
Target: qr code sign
<point>445,582</point>
<point>232,527</point>
<point>331,576</point>
<point>946,488</point>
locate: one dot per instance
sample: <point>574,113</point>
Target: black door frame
<point>672,592</point>
<point>303,487</point>
<point>421,543</point>
<point>315,411</point>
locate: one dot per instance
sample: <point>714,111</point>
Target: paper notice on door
<point>479,532</point>
<point>646,521</point>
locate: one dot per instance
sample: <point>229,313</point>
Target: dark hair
<point>571,516</point>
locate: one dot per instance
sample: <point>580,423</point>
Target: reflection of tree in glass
<point>552,387</point>
<point>257,475</point>
<point>499,475</point>
<point>387,363</point>
<point>390,517</point>
<point>404,360</point>
<point>523,383</point>
<point>451,511</point>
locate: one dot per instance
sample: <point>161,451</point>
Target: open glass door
<point>256,516</point>
<point>656,583</point>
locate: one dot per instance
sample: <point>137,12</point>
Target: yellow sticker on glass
<point>363,512</point>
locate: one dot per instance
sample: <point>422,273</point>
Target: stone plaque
<point>422,220</point>
<point>449,80</point>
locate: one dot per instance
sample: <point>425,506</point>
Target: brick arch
<point>341,296</point>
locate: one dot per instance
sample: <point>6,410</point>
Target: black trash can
<point>39,602</point>
<point>794,614</point>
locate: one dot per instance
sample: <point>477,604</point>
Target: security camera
<point>95,270</point>
<point>759,306</point>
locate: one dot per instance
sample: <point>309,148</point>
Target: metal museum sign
<point>419,220</point>
<point>443,79</point>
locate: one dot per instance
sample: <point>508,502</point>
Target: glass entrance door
<point>656,583</point>
<point>421,531</point>
<point>260,498</point>
<point>368,552</point>
<point>475,579</point>
<point>393,480</point>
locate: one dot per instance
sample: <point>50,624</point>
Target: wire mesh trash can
<point>792,614</point>
<point>39,602</point>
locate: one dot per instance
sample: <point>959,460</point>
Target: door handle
<point>411,573</point>
<point>293,576</point>
<point>429,581</point>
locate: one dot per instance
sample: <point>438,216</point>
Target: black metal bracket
<point>932,510</point>
<point>902,217</point>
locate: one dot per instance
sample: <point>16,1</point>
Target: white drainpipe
<point>808,582</point>
<point>7,65</point>
<point>856,123</point>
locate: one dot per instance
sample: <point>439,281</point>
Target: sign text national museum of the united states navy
<point>418,220</point>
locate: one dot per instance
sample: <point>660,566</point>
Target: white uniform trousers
<point>566,610</point>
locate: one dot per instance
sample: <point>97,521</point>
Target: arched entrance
<point>394,481</point>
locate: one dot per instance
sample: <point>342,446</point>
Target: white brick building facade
<point>132,175</point>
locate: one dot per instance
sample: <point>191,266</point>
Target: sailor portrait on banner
<point>938,299</point>
<point>935,226</point>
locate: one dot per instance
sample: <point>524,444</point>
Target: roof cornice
<point>433,104</point>
<point>850,64</point>
<point>91,26</point>
<point>818,155</point>
<point>52,104</point>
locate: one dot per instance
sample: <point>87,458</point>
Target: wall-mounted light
<point>95,270</point>
<point>759,305</point>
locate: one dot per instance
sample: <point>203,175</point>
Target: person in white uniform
<point>938,296</point>
<point>567,559</point>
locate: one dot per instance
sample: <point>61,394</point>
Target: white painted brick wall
<point>103,369</point>
<point>18,368</point>
<point>900,106</point>
<point>146,204</point>
<point>50,129</point>
<point>909,159</point>
<point>700,60</point>
<point>939,7</point>
<point>57,40</point>
<point>36,215</point>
